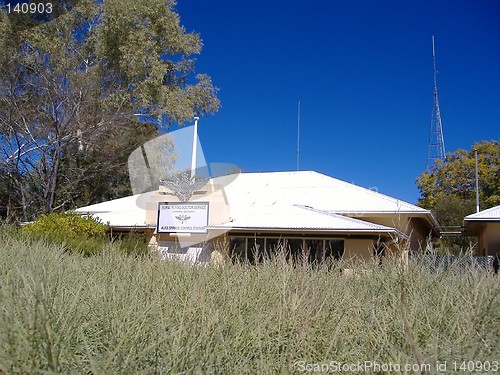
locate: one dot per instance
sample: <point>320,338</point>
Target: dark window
<point>314,251</point>
<point>237,249</point>
<point>335,249</point>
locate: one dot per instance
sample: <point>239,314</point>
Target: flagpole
<point>195,144</point>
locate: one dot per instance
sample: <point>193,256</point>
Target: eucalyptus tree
<point>69,89</point>
<point>448,187</point>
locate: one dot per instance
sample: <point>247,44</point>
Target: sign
<point>170,250</point>
<point>182,217</point>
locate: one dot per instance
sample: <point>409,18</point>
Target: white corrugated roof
<point>122,212</point>
<point>491,214</point>
<point>300,218</point>
<point>312,189</point>
<point>278,200</point>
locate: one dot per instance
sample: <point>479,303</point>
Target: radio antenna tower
<point>436,138</point>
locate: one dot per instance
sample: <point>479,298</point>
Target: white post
<point>298,136</point>
<point>477,181</point>
<point>195,144</point>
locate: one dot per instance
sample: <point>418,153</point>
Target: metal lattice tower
<point>436,137</point>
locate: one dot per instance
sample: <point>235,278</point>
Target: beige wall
<point>482,242</point>
<point>362,250</point>
<point>491,238</point>
<point>418,235</point>
<point>488,237</point>
<point>411,226</point>
<point>358,249</point>
<point>395,221</point>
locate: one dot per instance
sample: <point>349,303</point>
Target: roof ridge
<point>372,192</point>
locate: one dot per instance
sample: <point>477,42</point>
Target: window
<point>238,248</point>
<point>314,251</point>
<point>256,248</point>
<point>336,249</point>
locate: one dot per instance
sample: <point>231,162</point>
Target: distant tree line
<point>449,186</point>
<point>70,90</point>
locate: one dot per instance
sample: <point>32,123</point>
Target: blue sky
<point>363,73</point>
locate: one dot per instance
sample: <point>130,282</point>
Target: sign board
<point>189,217</point>
<point>170,250</point>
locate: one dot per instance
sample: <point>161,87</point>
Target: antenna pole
<point>434,60</point>
<point>298,136</point>
<point>436,138</point>
<point>477,181</point>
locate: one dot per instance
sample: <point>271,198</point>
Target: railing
<point>459,263</point>
<point>451,231</point>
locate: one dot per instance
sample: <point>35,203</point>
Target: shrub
<point>132,243</point>
<point>79,233</point>
<point>67,225</point>
<point>83,234</point>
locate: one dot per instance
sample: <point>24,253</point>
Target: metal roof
<point>300,218</point>
<point>491,214</point>
<point>294,200</point>
<point>122,212</point>
<point>315,190</point>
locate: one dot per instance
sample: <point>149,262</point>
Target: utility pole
<point>298,137</point>
<point>477,181</point>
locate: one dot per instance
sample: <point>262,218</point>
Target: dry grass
<point>116,314</point>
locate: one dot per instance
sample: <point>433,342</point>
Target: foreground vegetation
<point>113,313</point>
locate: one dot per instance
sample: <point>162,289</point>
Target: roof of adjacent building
<point>280,200</point>
<point>491,214</point>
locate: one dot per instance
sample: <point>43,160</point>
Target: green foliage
<point>83,234</point>
<point>139,41</point>
<point>139,51</point>
<point>69,90</point>
<point>448,187</point>
<point>70,225</point>
<point>100,173</point>
<point>132,243</point>
<point>77,233</point>
<point>115,314</point>
<point>451,209</point>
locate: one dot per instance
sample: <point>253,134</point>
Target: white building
<point>305,210</point>
<point>485,225</point>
